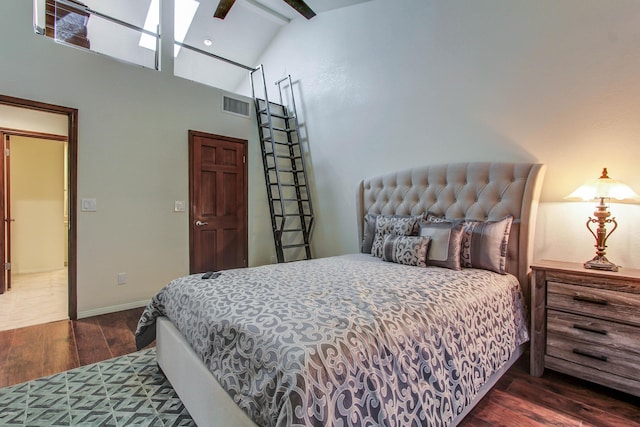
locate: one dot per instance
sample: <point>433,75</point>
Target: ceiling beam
<point>223,8</point>
<point>302,8</point>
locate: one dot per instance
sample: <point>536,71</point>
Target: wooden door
<point>8,220</point>
<point>5,249</point>
<point>218,202</point>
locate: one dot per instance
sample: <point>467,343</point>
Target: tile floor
<point>34,298</point>
<point>128,390</point>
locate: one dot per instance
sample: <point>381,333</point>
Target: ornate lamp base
<point>601,263</point>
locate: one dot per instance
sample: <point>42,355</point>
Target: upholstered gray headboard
<point>480,191</point>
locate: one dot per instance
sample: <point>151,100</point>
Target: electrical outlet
<point>122,278</point>
<point>274,260</point>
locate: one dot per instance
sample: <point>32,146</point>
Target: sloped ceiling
<point>242,36</point>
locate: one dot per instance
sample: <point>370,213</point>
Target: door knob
<point>200,223</point>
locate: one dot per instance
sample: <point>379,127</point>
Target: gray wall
<point>394,84</point>
<point>133,158</point>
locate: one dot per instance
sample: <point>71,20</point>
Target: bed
<point>415,334</point>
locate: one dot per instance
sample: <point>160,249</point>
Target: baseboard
<point>112,309</point>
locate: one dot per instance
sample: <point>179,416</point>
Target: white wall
<point>132,155</point>
<point>394,84</point>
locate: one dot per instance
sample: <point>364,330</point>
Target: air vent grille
<point>235,106</point>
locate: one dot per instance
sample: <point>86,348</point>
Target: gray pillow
<point>402,226</point>
<point>369,233</point>
<point>407,250</point>
<point>484,244</point>
<point>444,247</point>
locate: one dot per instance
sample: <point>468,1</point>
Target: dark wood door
<point>5,236</point>
<point>218,202</point>
<point>8,220</point>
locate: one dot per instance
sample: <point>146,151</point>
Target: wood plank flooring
<point>36,351</point>
<point>517,400</point>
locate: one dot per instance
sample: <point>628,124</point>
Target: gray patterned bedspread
<point>348,340</point>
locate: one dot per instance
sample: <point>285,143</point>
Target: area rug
<point>126,391</point>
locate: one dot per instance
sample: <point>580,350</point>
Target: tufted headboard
<point>480,191</point>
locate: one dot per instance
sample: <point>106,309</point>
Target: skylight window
<point>185,10</point>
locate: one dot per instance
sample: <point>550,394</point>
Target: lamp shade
<point>603,187</point>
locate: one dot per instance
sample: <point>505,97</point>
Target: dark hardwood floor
<point>37,351</point>
<point>517,400</point>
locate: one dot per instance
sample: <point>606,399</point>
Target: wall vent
<point>235,106</point>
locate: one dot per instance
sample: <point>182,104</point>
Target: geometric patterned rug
<point>124,391</point>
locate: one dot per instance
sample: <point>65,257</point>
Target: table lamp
<point>601,189</point>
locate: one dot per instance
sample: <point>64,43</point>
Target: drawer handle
<point>590,329</point>
<point>592,300</point>
<point>587,354</point>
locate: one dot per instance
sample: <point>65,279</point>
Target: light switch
<point>179,206</point>
<point>88,205</point>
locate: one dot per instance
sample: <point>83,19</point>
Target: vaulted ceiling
<point>244,34</point>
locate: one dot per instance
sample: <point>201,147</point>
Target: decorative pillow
<point>407,250</point>
<point>434,218</point>
<point>444,249</point>
<point>402,226</point>
<point>369,233</point>
<point>484,244</point>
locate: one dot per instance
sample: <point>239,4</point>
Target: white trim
<point>112,309</point>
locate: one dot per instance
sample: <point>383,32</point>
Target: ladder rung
<point>291,230</point>
<point>298,245</point>
<point>279,116</point>
<point>272,168</point>
<point>289,185</point>
<point>281,156</point>
<point>279,129</point>
<point>268,139</point>
<point>296,214</point>
<point>292,199</point>
<point>270,102</point>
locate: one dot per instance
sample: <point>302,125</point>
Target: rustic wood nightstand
<point>586,323</point>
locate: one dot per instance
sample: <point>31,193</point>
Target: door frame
<point>72,171</point>
<point>192,190</point>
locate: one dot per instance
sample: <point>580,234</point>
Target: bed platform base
<point>207,402</point>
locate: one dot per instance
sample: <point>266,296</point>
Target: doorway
<point>218,217</point>
<point>35,229</point>
<point>69,149</point>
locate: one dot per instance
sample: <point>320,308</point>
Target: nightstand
<point>586,323</point>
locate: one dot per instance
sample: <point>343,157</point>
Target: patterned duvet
<point>348,340</point>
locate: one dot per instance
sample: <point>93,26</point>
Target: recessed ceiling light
<point>207,42</point>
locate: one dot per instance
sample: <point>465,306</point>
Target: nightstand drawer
<point>602,303</point>
<point>603,358</point>
<point>590,330</point>
<point>586,323</point>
